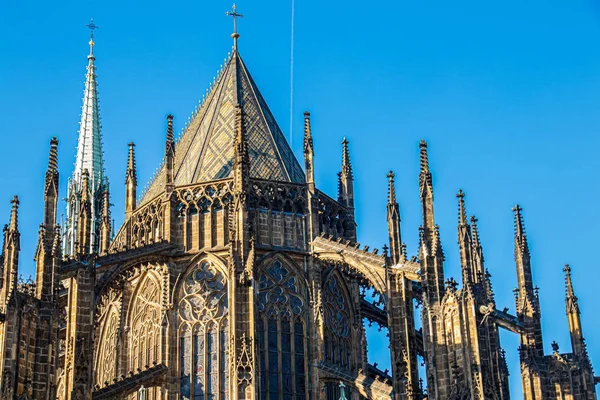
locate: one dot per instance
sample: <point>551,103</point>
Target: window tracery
<point>281,334</point>
<point>336,307</point>
<point>109,323</point>
<point>203,334</point>
<point>145,324</point>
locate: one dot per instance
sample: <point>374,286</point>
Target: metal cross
<point>92,26</point>
<point>234,14</point>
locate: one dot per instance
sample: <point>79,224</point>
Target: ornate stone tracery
<point>109,320</point>
<point>203,333</point>
<point>145,316</point>
<point>338,322</point>
<point>281,331</point>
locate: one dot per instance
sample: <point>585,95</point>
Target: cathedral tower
<point>89,157</point>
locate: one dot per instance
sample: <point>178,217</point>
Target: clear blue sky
<point>505,93</point>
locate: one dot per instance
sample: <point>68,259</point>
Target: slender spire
<point>235,35</point>
<point>89,147</point>
<point>130,182</point>
<point>85,216</point>
<point>10,253</point>
<point>14,214</point>
<point>425,173</point>
<point>346,178</point>
<point>573,315</point>
<point>89,157</point>
<point>528,310</point>
<point>426,192</point>
<point>462,214</point>
<point>346,164</point>
<point>105,227</point>
<point>431,253</point>
<point>308,150</point>
<point>464,241</point>
<point>393,220</point>
<point>51,187</point>
<point>478,259</point>
<point>391,188</point>
<point>169,153</point>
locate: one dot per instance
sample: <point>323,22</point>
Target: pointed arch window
<point>107,348</point>
<point>281,334</point>
<point>145,324</point>
<point>336,307</point>
<point>203,334</point>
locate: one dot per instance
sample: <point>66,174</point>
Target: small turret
<point>393,221</point>
<point>130,182</point>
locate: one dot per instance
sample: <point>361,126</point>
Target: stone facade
<point>234,277</point>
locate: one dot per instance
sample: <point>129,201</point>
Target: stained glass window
<point>281,334</point>
<point>203,334</point>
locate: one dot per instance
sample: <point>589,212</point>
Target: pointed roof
<point>89,146</point>
<point>205,151</point>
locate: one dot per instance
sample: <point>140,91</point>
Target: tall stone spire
<point>393,220</point>
<point>89,157</point>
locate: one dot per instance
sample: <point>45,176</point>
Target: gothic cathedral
<point>234,277</point>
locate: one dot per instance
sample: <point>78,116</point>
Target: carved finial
<point>424,158</point>
<point>451,284</point>
<point>308,140</point>
<point>53,159</point>
<point>571,299</point>
<point>475,230</point>
<point>462,214</point>
<point>14,215</point>
<point>555,347</point>
<point>131,170</point>
<point>346,164</point>
<point>520,234</point>
<point>391,188</point>
<point>170,136</point>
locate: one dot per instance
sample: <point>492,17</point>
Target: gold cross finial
<point>233,13</point>
<point>92,26</point>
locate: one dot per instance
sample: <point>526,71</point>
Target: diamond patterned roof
<point>205,151</point>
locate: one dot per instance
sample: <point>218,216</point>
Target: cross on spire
<point>92,27</point>
<point>233,13</point>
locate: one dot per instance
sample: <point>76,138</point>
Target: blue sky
<point>505,93</point>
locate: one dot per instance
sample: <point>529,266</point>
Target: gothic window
<point>281,334</point>
<point>145,324</point>
<point>203,335</point>
<point>336,307</point>
<point>107,357</point>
